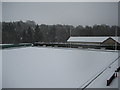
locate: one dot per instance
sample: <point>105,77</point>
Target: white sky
<point>76,13</point>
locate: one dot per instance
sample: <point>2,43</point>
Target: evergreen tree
<point>37,34</point>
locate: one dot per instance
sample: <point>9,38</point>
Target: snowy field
<point>0,69</point>
<point>38,67</point>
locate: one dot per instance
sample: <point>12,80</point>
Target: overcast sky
<point>0,11</point>
<point>62,13</point>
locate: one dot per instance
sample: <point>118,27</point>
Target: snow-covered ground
<point>101,81</point>
<point>38,67</point>
<point>0,69</point>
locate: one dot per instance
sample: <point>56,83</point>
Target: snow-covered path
<point>35,67</point>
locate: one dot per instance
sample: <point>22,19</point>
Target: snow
<point>116,39</point>
<point>0,69</point>
<point>102,80</point>
<point>87,39</point>
<point>5,44</point>
<point>38,67</point>
<point>91,39</point>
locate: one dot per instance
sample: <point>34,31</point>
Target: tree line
<point>29,32</point>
